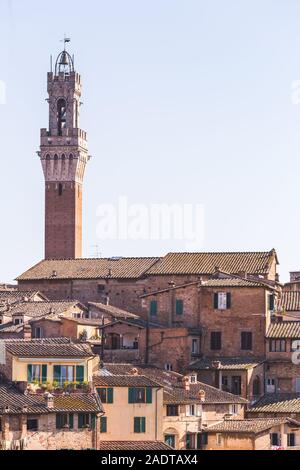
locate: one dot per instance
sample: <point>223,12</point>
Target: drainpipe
<point>156,413</point>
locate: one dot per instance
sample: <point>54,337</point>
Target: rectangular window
<point>62,374</point>
<point>64,420</point>
<point>195,346</point>
<point>153,308</point>
<point>291,439</point>
<point>84,420</point>
<point>179,307</point>
<point>191,410</point>
<point>234,409</point>
<point>271,302</point>
<point>219,439</point>
<point>246,340</point>
<point>236,385</point>
<point>32,424</point>
<point>38,332</point>
<point>37,373</point>
<point>190,441</point>
<point>216,340</point>
<point>103,424</point>
<point>277,345</point>
<point>106,395</point>
<point>172,410</point>
<point>274,439</point>
<point>222,301</point>
<point>140,395</point>
<point>139,425</point>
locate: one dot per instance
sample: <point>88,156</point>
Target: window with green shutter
<point>148,395</point>
<point>153,308</point>
<point>64,420</point>
<point>80,374</point>
<point>179,307</point>
<point>57,373</point>
<point>139,425</point>
<point>106,395</point>
<point>44,373</point>
<point>29,373</point>
<point>84,420</point>
<point>103,424</point>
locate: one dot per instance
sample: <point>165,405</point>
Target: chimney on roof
<point>109,272</point>
<point>107,300</point>
<point>52,310</point>
<point>186,383</point>
<point>202,395</point>
<point>134,371</point>
<point>25,298</point>
<point>54,273</point>
<point>25,409</point>
<point>27,332</point>
<point>49,400</point>
<point>216,364</point>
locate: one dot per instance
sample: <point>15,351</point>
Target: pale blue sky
<point>184,101</point>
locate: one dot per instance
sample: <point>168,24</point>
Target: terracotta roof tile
<point>226,363</point>
<point>249,426</point>
<point>277,403</point>
<point>284,329</point>
<point>115,312</point>
<point>206,263</point>
<point>133,445</point>
<point>54,347</point>
<point>35,404</point>
<point>40,309</point>
<point>103,268</point>
<point>290,301</point>
<point>124,381</point>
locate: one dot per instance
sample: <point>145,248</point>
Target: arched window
<point>48,157</point>
<point>71,156</point>
<point>55,158</point>
<point>61,115</point>
<point>60,189</point>
<point>63,157</point>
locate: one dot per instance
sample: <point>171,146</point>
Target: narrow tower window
<point>60,189</point>
<point>61,115</point>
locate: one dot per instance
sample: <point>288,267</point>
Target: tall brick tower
<point>64,156</point>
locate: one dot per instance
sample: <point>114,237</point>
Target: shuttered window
<point>103,424</point>
<point>106,395</point>
<point>216,340</point>
<point>179,307</point>
<point>139,424</point>
<point>222,301</point>
<point>139,395</point>
<point>153,308</point>
<point>246,340</point>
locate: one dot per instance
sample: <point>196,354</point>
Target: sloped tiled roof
<point>98,268</point>
<point>40,309</point>
<point>277,403</point>
<point>48,347</point>
<point>135,268</point>
<point>133,445</point>
<point>249,426</point>
<point>226,363</point>
<point>206,263</point>
<point>124,381</point>
<point>17,295</point>
<point>15,400</point>
<point>233,282</point>
<point>174,392</point>
<point>290,301</point>
<point>284,329</point>
<point>115,312</point>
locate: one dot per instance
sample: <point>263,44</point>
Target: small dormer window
<point>193,378</point>
<point>18,321</point>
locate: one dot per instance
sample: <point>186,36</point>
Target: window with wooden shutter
<point>44,373</point>
<point>103,424</point>
<point>57,373</point>
<point>179,307</point>
<point>246,340</point>
<point>148,395</point>
<point>80,374</point>
<point>216,340</point>
<point>29,373</point>
<point>110,395</point>
<point>153,308</point>
<point>139,425</point>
